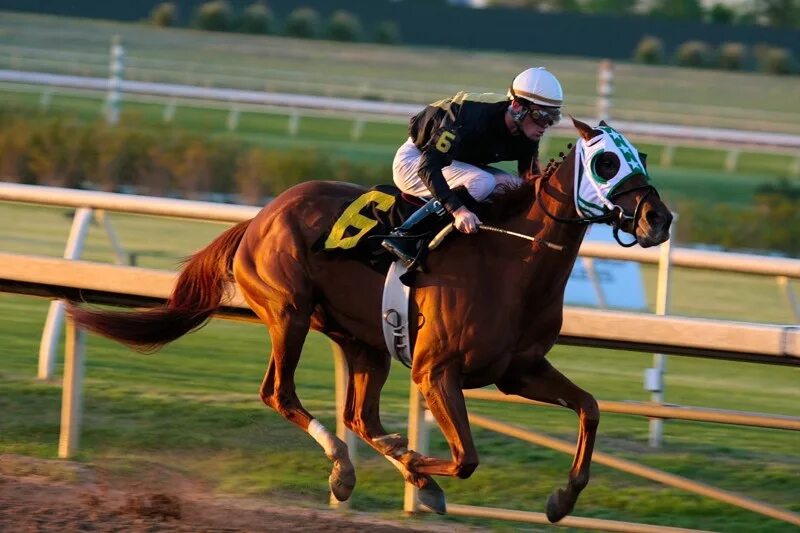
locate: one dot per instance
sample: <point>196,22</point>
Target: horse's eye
<point>607,165</point>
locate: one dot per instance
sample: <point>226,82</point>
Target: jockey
<point>451,144</point>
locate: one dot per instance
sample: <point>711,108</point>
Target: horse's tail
<point>197,294</point>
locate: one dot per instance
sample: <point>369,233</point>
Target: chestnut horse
<point>490,308</point>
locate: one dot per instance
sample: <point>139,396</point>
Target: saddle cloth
<point>375,213</point>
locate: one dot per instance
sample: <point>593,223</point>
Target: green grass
<point>194,405</point>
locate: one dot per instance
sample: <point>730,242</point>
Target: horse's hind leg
<point>287,314</point>
<point>368,370</point>
<point>546,384</point>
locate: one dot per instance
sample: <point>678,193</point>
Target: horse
<point>490,307</point>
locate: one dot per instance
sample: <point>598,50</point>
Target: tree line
<point>58,150</point>
<point>61,151</point>
<point>258,18</point>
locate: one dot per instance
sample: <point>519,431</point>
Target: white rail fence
<point>361,111</point>
<point>53,277</point>
<point>783,269</point>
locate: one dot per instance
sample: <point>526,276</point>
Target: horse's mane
<point>509,200</point>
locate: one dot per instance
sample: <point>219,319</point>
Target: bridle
<point>616,217</point>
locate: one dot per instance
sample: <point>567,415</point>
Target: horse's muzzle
<point>653,226</point>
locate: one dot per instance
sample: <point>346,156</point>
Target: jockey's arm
<point>430,172</point>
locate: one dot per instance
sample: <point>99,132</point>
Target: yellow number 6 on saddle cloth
<point>352,218</point>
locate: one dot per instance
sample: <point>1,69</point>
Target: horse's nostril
<point>653,217</point>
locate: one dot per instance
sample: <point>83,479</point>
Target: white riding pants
<point>479,181</point>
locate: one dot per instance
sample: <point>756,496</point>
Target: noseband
<point>616,217</point>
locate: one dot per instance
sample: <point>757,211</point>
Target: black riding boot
<point>404,242</point>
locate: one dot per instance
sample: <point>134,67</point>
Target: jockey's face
<point>537,119</point>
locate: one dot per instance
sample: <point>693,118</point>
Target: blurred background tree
<point>721,14</point>
<point>344,26</point>
<point>386,32</point>
<point>779,13</point>
<point>164,15</point>
<point>256,18</point>
<point>678,9</point>
<point>693,54</point>
<point>616,7</point>
<point>650,51</point>
<point>303,22</point>
<point>731,56</point>
<point>213,16</point>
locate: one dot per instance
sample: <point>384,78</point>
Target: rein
<point>557,247</point>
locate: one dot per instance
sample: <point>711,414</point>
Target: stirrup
<point>407,259</point>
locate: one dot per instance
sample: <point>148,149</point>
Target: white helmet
<point>537,85</point>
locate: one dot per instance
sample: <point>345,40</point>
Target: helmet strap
<point>518,116</point>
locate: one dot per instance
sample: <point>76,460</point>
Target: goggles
<point>545,117</point>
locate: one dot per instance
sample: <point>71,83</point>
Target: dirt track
<point>38,495</point>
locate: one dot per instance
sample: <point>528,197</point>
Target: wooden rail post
<point>341,374</point>
<point>417,441</point>
<point>71,395</point>
<point>654,377</point>
<point>55,315</point>
<point>116,67</point>
<point>605,87</point>
<point>785,284</point>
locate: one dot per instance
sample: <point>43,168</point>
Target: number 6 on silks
<point>445,141</point>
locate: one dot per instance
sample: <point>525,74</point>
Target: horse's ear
<point>586,131</point>
<point>603,123</point>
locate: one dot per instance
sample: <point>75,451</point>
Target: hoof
<point>342,481</point>
<point>555,506</point>
<point>431,496</point>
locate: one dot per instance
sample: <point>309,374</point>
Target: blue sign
<point>607,283</point>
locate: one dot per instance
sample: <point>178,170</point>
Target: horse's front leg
<point>546,384</point>
<point>367,372</point>
<point>441,387</point>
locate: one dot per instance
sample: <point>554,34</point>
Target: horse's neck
<point>551,268</point>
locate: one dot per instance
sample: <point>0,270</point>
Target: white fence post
<point>784,283</point>
<point>45,98</point>
<point>358,129</point>
<point>233,119</point>
<point>732,160</point>
<point>116,68</point>
<point>591,273</point>
<point>605,87</point>
<point>667,155</point>
<point>794,168</point>
<point>55,315</point>
<point>417,441</point>
<point>121,257</point>
<point>654,377</point>
<point>341,374</point>
<point>294,123</point>
<point>71,395</point>
<point>168,115</point>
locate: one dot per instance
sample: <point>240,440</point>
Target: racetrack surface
<point>43,496</point>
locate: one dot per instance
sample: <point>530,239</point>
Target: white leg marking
<point>325,438</point>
